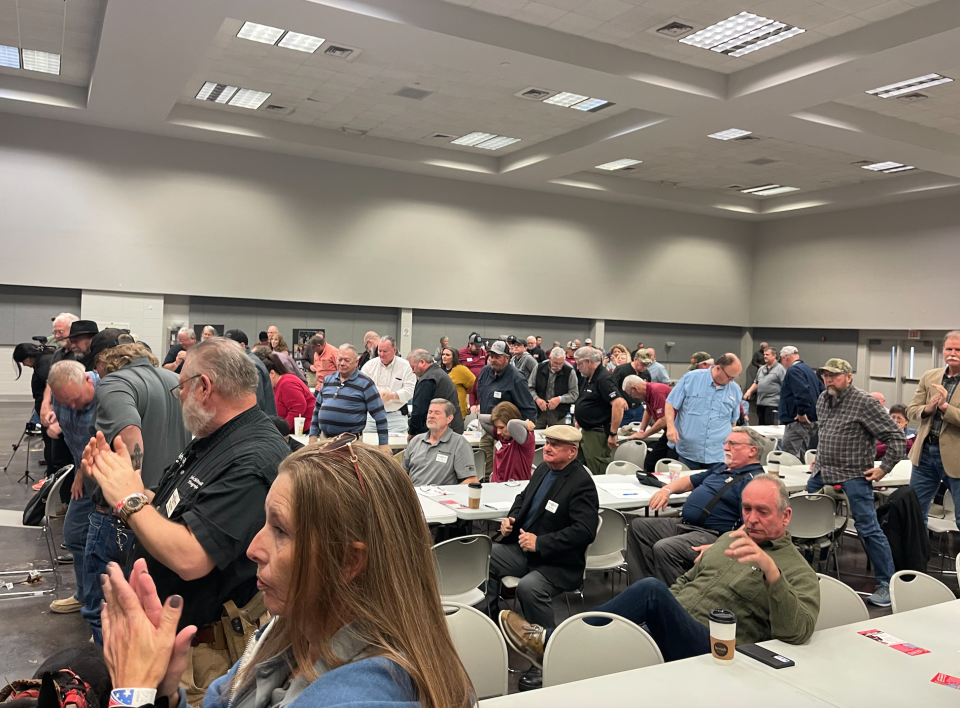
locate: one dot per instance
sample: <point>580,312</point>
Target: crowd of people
<point>189,488</point>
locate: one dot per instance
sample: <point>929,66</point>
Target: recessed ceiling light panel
<point>9,56</point>
<point>910,85</point>
<point>248,98</point>
<point>901,168</point>
<point>729,134</point>
<point>618,164</point>
<point>768,190</point>
<point>300,42</point>
<point>591,104</point>
<point>882,166</point>
<point>218,93</point>
<point>260,33</point>
<point>565,99</point>
<point>471,139</point>
<point>497,142</point>
<point>741,34</point>
<point>44,62</point>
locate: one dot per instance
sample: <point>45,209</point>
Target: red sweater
<point>512,460</point>
<point>293,399</point>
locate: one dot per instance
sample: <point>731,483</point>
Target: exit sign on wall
<point>913,334</point>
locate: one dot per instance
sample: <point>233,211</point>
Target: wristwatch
<point>130,505</point>
<point>612,435</point>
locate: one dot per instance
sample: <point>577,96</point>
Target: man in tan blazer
<point>936,453</point>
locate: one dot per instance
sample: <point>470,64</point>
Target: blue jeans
<point>650,602</point>
<point>926,478</point>
<point>860,493</point>
<point>632,415</point>
<point>101,549</point>
<point>75,526</point>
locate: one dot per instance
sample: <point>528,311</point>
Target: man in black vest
<point>667,548</point>
<point>432,382</point>
<point>553,385</point>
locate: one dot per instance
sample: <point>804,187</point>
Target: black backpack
<point>34,510</point>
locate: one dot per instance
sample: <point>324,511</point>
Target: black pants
<point>767,415</point>
<point>659,451</point>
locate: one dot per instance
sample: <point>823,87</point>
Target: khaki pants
<point>486,444</point>
<point>594,453</point>
<point>205,664</point>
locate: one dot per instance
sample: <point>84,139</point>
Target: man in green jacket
<point>755,572</point>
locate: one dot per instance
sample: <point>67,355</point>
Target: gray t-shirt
<point>526,363</point>
<point>450,461</point>
<point>769,380</point>
<point>139,395</point>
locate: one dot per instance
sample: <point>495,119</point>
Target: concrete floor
<point>32,633</point>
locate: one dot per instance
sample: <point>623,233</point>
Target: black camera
<point>42,339</point>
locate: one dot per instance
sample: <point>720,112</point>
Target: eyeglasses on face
<point>175,391</point>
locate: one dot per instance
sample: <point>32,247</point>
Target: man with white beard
<point>194,526</point>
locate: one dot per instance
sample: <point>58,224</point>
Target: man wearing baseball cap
<point>700,360</point>
<point>546,534</point>
<point>850,422</point>
<point>797,409</point>
<point>474,356</point>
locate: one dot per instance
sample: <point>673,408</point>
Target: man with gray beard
<point>194,527</point>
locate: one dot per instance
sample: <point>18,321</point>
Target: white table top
<point>436,513</point>
<point>775,431</point>
<point>796,476</point>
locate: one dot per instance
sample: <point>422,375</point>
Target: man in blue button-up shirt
<point>701,410</point>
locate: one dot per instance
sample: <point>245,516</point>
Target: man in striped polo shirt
<point>344,399</point>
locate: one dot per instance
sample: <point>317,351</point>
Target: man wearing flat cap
<point>850,423</point>
<point>546,533</point>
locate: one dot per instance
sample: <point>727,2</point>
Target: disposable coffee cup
<point>298,425</point>
<point>723,636</point>
<point>674,469</point>
<point>773,466</point>
<point>473,494</point>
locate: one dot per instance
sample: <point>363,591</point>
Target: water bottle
<point>568,420</point>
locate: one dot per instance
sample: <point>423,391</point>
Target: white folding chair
<point>606,552</point>
<point>481,648</point>
<point>663,465</point>
<point>463,565</point>
<point>809,456</point>
<point>537,458</point>
<point>623,467</point>
<point>14,519</point>
<point>839,604</point>
<point>769,444</point>
<point>785,458</point>
<point>813,524</point>
<point>578,650</point>
<point>469,418</point>
<point>480,462</point>
<point>910,590</point>
<point>634,451</point>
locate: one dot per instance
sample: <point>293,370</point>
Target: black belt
<point>105,510</point>
<point>932,440</point>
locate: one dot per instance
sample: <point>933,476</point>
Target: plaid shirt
<point>850,426</point>
<point>949,383</point>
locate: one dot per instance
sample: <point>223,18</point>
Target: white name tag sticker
<point>498,394</point>
<point>469,360</point>
<point>442,457</point>
<point>172,502</point>
<point>497,444</point>
<point>552,506</point>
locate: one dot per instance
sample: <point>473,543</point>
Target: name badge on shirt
<point>498,394</point>
<point>442,457</point>
<point>497,444</point>
<point>172,502</point>
<point>469,359</point>
<point>552,506</point>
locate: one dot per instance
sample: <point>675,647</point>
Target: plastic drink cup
<point>298,425</point>
<point>674,470</point>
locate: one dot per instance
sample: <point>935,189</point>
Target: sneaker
<point>881,596</point>
<point>531,680</point>
<point>65,559</point>
<point>66,606</point>
<point>525,638</point>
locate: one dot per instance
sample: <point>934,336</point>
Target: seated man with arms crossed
<point>440,455</point>
<point>755,572</point>
<point>666,548</point>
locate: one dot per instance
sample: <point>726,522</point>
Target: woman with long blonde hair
<point>345,565</point>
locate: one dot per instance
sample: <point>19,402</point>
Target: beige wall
<point>134,213</point>
<point>886,267</point>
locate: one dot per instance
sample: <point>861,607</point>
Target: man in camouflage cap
<point>850,423</point>
<point>701,360</point>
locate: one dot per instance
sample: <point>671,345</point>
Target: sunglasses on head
<point>345,440</point>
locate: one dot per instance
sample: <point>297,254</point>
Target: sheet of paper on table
<point>452,503</point>
<point>430,491</point>
<point>499,506</point>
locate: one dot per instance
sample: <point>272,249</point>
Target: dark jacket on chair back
<point>564,521</point>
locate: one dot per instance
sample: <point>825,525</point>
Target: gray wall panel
<point>26,311</point>
<point>687,339</point>
<point>813,350</point>
<point>430,325</point>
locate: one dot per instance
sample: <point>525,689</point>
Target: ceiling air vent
<point>532,93</point>
<point>914,97</point>
<point>281,110</point>
<point>862,163</point>
<point>735,186</point>
<point>675,29</point>
<point>442,136</point>
<point>414,93</point>
<point>760,161</point>
<point>341,52</point>
<point>745,139</point>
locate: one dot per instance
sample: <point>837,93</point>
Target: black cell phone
<point>765,656</point>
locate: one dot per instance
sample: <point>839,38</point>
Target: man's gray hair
<point>230,369</point>
<point>557,353</point>
<point>418,355</point>
<point>211,329</point>
<point>952,334</point>
<point>756,439</point>
<point>632,382</point>
<point>448,408</point>
<point>187,331</point>
<point>783,497</point>
<point>66,372</point>
<point>588,354</point>
<point>776,354</point>
<point>789,349</point>
<point>391,339</point>
<point>350,348</point>
<point>66,316</point>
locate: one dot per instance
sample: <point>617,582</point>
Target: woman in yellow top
<point>461,376</point>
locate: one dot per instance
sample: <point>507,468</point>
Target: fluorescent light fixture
<point>882,166</point>
<point>9,56</point>
<point>565,99</point>
<point>218,93</point>
<point>618,164</point>
<point>248,98</point>
<point>910,85</point>
<point>41,61</point>
<point>768,190</point>
<point>300,42</point>
<point>471,139</point>
<point>741,34</point>
<point>591,104</point>
<point>902,168</point>
<point>498,142</point>
<point>260,33</point>
<point>729,134</point>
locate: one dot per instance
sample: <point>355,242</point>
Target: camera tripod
<point>28,433</point>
